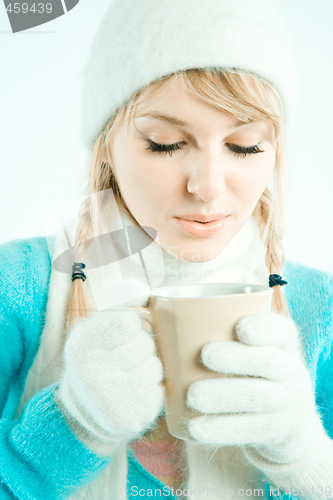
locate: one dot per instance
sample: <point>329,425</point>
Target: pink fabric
<point>160,458</point>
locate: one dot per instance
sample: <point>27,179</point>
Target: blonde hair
<point>244,95</point>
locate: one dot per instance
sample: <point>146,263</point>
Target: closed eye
<point>164,148</point>
<point>239,151</point>
<point>242,152</point>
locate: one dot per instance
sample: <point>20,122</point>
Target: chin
<point>195,252</point>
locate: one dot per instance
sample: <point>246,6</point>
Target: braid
<point>269,219</point>
<point>90,223</point>
<point>78,304</point>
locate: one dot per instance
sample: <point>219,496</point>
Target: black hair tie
<point>276,279</point>
<point>77,272</point>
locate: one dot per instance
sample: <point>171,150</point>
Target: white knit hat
<point>140,41</point>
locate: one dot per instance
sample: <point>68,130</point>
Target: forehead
<point>174,106</point>
<point>173,96</point>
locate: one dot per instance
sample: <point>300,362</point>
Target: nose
<point>207,178</point>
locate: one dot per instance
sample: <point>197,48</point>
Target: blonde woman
<point>185,108</point>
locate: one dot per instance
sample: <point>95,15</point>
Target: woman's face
<point>181,162</point>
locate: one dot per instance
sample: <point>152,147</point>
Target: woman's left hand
<point>272,406</point>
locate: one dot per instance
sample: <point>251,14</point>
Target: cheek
<point>145,180</point>
<point>131,170</point>
<point>250,182</point>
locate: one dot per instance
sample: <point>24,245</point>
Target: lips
<point>203,217</point>
<point>200,225</point>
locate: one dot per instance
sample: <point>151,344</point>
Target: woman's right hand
<point>110,390</point>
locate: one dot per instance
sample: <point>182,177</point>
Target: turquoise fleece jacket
<point>40,458</point>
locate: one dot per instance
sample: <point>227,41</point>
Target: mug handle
<point>144,312</point>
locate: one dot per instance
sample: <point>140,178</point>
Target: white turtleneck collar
<point>242,261</point>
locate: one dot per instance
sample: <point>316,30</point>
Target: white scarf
<point>242,261</point>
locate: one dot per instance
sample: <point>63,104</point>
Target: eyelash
<point>239,151</point>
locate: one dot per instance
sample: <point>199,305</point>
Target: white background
<point>43,159</point>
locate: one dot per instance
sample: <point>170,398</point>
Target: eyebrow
<point>176,121</point>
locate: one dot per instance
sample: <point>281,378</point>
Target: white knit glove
<point>270,410</point>
<point>110,390</point>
